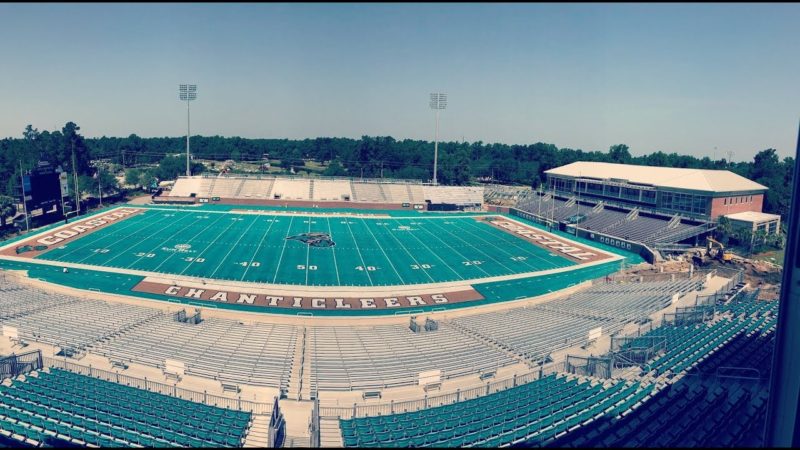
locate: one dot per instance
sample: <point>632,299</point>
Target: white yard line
<point>231,249</point>
<point>308,251</point>
<point>451,248</point>
<point>124,252</point>
<point>425,271</point>
<point>478,249</point>
<point>513,241</point>
<point>250,263</point>
<point>288,232</point>
<point>445,264</point>
<point>333,251</point>
<point>190,240</point>
<point>363,264</point>
<point>402,281</point>
<point>101,236</point>
<point>213,241</point>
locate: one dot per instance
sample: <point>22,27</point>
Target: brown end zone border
<point>268,301</point>
<point>70,232</point>
<point>568,249</point>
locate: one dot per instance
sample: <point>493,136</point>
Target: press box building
<point>698,193</point>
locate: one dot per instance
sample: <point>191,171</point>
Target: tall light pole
<point>75,178</point>
<point>438,102</point>
<point>24,201</point>
<point>187,93</point>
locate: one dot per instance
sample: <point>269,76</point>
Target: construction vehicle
<point>715,249</point>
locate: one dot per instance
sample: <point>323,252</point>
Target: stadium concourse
<point>376,325</point>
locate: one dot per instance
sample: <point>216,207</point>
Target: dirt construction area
<point>758,274</point>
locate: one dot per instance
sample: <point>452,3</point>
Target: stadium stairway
<point>330,435</point>
<point>296,377</point>
<point>298,417</point>
<point>258,435</point>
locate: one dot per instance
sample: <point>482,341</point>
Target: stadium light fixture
<point>187,93</point>
<point>438,103</point>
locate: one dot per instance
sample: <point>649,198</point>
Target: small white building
<point>754,221</point>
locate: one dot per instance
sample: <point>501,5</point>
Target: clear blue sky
<point>673,77</point>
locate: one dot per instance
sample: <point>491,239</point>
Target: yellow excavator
<point>715,249</point>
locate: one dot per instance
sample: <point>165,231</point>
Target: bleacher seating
<point>496,194</point>
<point>691,413</point>
<point>225,187</point>
<point>457,195</point>
<point>292,188</point>
<point>368,192</point>
<point>534,412</point>
<point>687,346</point>
<point>712,408</point>
<point>565,322</point>
<point>259,354</point>
<point>17,300</point>
<point>356,358</point>
<point>79,325</point>
<point>257,188</point>
<point>86,410</point>
<point>643,227</point>
<point>332,190</point>
<point>185,187</point>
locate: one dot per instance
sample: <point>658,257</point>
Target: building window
<point>649,196</point>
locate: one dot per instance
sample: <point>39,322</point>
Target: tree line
<point>460,163</point>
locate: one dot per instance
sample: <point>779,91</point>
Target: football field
<point>307,250</point>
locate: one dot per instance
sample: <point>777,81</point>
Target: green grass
<point>368,251</point>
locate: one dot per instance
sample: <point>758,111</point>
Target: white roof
<point>670,177</point>
<point>753,216</point>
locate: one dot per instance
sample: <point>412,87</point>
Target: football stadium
<point>239,313</point>
<point>334,253</point>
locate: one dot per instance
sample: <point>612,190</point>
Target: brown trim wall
<point>297,203</point>
<point>329,302</point>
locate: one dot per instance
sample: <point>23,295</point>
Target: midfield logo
<point>314,239</point>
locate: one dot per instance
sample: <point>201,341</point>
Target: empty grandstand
<point>597,219</point>
<point>324,192</point>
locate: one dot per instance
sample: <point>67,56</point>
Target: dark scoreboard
<point>42,187</point>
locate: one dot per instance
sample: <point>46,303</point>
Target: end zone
<point>66,233</point>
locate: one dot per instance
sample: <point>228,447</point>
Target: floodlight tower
<point>187,93</point>
<point>438,102</point>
